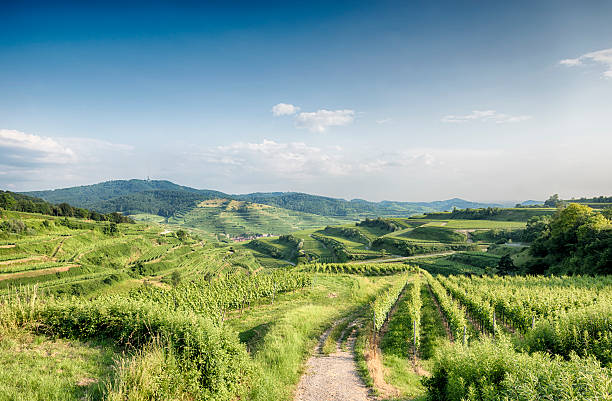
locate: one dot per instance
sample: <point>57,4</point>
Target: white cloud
<point>320,120</point>
<point>20,147</point>
<point>601,56</point>
<point>383,121</point>
<point>485,116</point>
<point>571,62</point>
<point>284,109</point>
<point>26,159</point>
<point>317,121</point>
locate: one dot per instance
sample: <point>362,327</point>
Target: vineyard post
<point>464,334</point>
<point>494,323</point>
<point>373,324</point>
<point>533,322</point>
<point>274,292</point>
<point>414,341</point>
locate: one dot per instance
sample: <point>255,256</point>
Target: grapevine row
<point>212,298</point>
<point>384,302</point>
<point>367,269</point>
<point>454,314</point>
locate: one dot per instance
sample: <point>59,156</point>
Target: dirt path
<point>333,377</point>
<point>400,258</point>
<point>59,246</point>
<point>468,235</point>
<point>6,246</point>
<point>24,260</point>
<point>34,273</point>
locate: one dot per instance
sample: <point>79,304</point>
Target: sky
<point>384,100</point>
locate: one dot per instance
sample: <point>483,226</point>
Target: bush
<point>13,226</point>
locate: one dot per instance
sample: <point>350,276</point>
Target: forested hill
<point>94,196</point>
<point>165,198</point>
<point>326,206</point>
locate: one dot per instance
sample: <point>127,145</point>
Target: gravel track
<point>333,377</point>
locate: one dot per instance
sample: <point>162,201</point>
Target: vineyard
<point>229,323</point>
<point>380,239</point>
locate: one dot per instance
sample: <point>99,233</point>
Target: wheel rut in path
<point>332,377</point>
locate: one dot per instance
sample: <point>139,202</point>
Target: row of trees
<point>475,214</point>
<point>23,203</point>
<point>380,223</point>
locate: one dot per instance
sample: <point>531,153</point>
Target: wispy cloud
<point>316,121</point>
<point>485,116</point>
<point>297,160</point>
<point>383,121</point>
<point>320,120</point>
<point>291,159</point>
<point>603,57</point>
<point>284,109</point>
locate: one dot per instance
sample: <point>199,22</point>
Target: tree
<point>65,209</point>
<point>7,202</point>
<point>181,235</point>
<point>506,265</point>
<point>536,226</point>
<point>553,201</point>
<point>578,240</point>
<point>111,229</point>
<point>175,278</point>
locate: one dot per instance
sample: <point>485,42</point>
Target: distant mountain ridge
<point>166,198</point>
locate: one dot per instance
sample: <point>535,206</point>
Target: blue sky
<point>378,100</point>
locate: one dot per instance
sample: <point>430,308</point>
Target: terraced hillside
<point>75,256</point>
<point>392,238</point>
<point>237,218</point>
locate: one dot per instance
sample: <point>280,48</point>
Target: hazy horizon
<point>489,102</point>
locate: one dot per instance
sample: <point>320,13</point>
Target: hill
<point>99,196</point>
<point>240,218</point>
<point>165,198</point>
